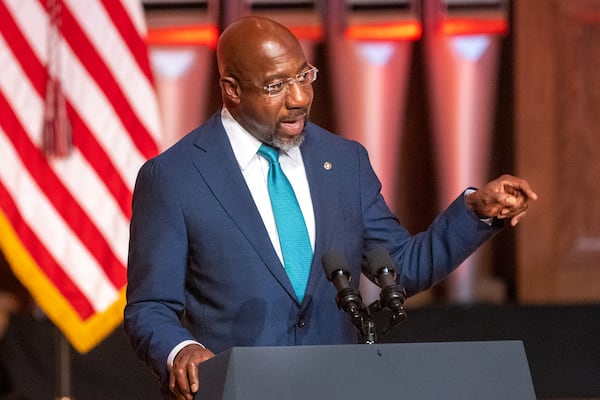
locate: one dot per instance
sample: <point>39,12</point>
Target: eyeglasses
<point>281,87</point>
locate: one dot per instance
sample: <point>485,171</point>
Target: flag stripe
<point>36,210</point>
<point>127,29</point>
<point>96,201</point>
<point>124,68</point>
<point>85,140</point>
<point>73,215</point>
<point>95,66</point>
<point>40,254</point>
<point>88,144</point>
<point>105,167</point>
<point>21,49</point>
<point>88,100</point>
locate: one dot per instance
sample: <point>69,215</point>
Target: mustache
<point>295,115</point>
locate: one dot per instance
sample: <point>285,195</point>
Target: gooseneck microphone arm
<point>348,298</point>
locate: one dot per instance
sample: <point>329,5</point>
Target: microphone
<point>348,298</point>
<point>381,268</point>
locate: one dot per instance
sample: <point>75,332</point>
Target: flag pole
<point>63,367</point>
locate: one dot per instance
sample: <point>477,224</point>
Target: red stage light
<point>406,30</point>
<point>467,26</point>
<point>204,35</point>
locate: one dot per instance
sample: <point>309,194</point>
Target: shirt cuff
<point>177,349</point>
<point>489,220</point>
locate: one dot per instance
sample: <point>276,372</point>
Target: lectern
<point>491,370</point>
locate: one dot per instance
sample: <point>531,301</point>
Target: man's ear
<point>230,88</point>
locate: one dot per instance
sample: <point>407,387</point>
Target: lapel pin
<point>327,165</point>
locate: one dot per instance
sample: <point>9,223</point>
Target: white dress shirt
<point>255,169</point>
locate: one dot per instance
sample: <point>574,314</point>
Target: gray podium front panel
<point>494,370</point>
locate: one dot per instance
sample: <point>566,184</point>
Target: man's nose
<point>297,95</point>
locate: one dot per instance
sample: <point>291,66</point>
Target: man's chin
<point>288,143</point>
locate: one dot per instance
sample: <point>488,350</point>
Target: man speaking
<point>231,223</point>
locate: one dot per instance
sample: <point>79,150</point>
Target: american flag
<point>78,117</point>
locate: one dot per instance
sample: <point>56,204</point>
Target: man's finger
<point>510,200</point>
<point>193,376</point>
<point>517,217</point>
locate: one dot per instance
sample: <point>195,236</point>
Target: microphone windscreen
<point>333,261</point>
<point>379,258</point>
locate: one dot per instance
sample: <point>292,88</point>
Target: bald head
<point>253,53</point>
<point>253,41</point>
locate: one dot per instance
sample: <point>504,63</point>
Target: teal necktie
<point>293,235</point>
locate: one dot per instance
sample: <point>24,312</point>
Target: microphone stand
<point>349,300</point>
<point>391,298</point>
<point>371,333</point>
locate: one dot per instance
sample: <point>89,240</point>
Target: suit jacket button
<point>301,323</point>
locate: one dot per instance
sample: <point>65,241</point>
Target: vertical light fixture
<point>369,48</point>
<point>462,40</point>
<point>181,42</point>
<point>369,44</point>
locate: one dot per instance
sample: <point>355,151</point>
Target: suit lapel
<point>323,189</point>
<point>219,168</point>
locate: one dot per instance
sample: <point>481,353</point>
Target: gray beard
<point>286,145</point>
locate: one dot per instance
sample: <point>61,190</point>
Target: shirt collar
<point>245,145</point>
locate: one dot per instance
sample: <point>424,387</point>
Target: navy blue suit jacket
<point>200,254</point>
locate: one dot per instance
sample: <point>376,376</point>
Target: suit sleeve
<point>425,258</point>
<point>156,270</point>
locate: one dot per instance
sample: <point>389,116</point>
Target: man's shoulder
<point>323,136</point>
<point>198,136</point>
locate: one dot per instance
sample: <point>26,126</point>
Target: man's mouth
<point>293,126</point>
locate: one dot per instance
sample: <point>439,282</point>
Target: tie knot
<point>269,153</point>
